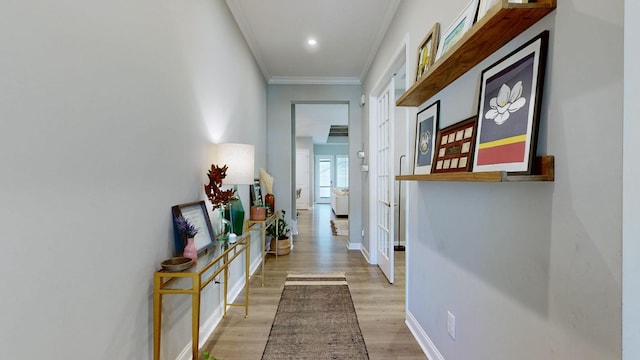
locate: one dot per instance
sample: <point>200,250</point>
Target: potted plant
<point>257,211</point>
<point>207,356</point>
<point>279,232</point>
<point>189,231</point>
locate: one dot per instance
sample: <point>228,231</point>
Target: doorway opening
<point>322,151</point>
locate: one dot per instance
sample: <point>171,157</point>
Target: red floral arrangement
<point>217,196</point>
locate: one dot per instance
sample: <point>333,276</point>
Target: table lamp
<point>239,158</point>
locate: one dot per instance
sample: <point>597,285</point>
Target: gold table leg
<point>247,255</point>
<point>224,287</point>
<point>195,320</point>
<point>157,317</point>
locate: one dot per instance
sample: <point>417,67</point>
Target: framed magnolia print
<point>196,213</point>
<point>426,127</point>
<point>459,27</point>
<point>454,147</point>
<point>509,108</point>
<point>427,51</point>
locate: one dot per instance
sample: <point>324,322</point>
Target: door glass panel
<point>342,171</point>
<point>324,178</point>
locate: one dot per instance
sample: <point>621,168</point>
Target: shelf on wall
<point>501,24</point>
<point>544,169</point>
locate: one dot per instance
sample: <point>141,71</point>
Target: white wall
<point>530,270</point>
<point>106,113</point>
<point>631,193</point>
<point>279,153</point>
<point>331,149</point>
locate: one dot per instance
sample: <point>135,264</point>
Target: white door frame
<point>401,56</point>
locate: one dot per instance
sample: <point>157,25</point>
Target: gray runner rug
<point>315,320</point>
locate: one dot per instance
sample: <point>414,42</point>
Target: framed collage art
<point>454,147</point>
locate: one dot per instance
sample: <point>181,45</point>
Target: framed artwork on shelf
<point>458,28</point>
<point>196,213</point>
<point>509,109</point>
<point>484,7</point>
<point>427,51</point>
<point>426,127</point>
<point>256,192</point>
<point>454,147</point>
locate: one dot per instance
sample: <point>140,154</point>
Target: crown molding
<point>382,31</point>
<point>309,80</point>
<point>238,13</point>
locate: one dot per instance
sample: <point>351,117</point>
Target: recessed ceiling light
<point>312,42</point>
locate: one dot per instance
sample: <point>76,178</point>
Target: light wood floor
<point>379,305</point>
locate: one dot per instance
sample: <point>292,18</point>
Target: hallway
<point>380,306</point>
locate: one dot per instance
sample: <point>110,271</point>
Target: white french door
<point>384,205</point>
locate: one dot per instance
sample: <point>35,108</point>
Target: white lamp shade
<point>239,159</point>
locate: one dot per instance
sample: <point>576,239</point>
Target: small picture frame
<point>427,51</point>
<point>426,127</point>
<point>458,28</point>
<point>256,192</point>
<point>197,215</point>
<point>454,147</point>
<point>509,109</point>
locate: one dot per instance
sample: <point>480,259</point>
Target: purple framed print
<point>426,127</point>
<point>509,109</point>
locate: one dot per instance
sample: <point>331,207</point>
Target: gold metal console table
<point>261,226</point>
<point>201,274</point>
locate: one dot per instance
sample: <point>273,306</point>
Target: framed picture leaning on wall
<point>255,193</point>
<point>427,51</point>
<point>484,7</point>
<point>458,28</point>
<point>197,215</point>
<point>509,109</point>
<point>426,128</point>
<point>454,147</point>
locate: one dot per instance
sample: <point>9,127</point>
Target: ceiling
<point>348,34</point>
<point>315,121</point>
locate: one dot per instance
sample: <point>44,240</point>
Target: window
<point>324,178</point>
<point>342,171</point>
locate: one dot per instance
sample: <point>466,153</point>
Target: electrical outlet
<point>451,325</point>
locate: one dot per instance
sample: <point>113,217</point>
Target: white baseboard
<point>255,265</point>
<point>212,322</point>
<point>205,332</point>
<point>354,246</point>
<point>428,347</point>
<point>365,254</point>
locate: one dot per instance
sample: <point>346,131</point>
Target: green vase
<point>235,215</point>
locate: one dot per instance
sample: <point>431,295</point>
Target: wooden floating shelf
<point>544,167</point>
<point>501,24</point>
